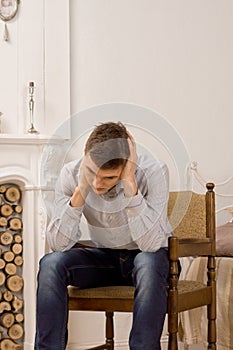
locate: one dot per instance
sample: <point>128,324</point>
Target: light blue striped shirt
<point>113,220</point>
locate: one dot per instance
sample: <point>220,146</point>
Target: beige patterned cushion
<point>109,292</point>
<point>124,292</point>
<point>187,214</point>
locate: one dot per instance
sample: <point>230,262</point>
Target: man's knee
<point>51,267</point>
<point>150,265</point>
<point>50,260</point>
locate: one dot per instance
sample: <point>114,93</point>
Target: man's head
<point>108,146</point>
<point>107,151</point>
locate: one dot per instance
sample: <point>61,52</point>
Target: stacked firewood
<point>11,261</point>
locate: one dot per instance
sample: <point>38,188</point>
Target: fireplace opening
<point>11,266</point>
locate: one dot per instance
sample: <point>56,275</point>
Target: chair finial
<point>210,186</point>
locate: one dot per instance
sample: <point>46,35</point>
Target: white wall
<point>175,57</point>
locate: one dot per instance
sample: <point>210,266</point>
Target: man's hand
<point>128,172</point>
<point>81,191</point>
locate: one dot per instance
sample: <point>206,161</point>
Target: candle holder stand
<point>32,129</point>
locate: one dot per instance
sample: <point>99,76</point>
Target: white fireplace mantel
<point>25,139</point>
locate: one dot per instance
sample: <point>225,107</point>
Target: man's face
<point>101,180</point>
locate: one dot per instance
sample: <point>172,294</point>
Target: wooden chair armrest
<point>194,240</point>
<point>195,247</point>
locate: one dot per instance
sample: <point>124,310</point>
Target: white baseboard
<point>121,345</point>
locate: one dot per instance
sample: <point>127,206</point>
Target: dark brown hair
<point>108,145</point>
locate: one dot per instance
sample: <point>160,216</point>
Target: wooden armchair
<point>193,218</point>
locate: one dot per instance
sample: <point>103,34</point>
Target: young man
<point>124,200</point>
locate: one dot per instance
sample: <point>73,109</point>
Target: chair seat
<point>108,299</point>
<point>120,298</point>
<point>109,292</point>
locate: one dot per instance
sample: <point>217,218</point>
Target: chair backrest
<point>187,214</point>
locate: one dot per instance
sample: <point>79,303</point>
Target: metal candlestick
<point>32,129</point>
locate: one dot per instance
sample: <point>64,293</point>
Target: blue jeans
<point>83,268</point>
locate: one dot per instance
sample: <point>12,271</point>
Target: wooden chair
<point>192,216</point>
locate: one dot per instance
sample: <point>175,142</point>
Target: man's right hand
<point>82,190</point>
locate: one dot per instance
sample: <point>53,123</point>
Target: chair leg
<point>173,294</point>
<point>211,309</point>
<point>172,323</point>
<point>109,331</point>
<point>172,342</point>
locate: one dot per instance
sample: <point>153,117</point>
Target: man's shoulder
<point>148,162</point>
<point>71,167</point>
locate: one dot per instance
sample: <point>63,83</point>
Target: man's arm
<point>147,212</point>
<point>63,231</point>
<point>81,191</point>
<point>128,172</point>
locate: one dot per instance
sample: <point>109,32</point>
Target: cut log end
<point>8,344</point>
<point>12,194</point>
<point>15,332</point>
<point>14,283</point>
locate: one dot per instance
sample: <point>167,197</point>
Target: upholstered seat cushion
<point>110,292</point>
<point>124,292</point>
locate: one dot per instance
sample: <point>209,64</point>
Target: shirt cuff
<point>74,212</point>
<point>135,206</point>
